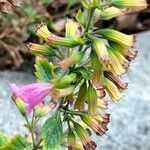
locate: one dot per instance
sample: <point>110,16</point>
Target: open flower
<point>32,94</point>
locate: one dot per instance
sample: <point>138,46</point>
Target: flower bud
<point>112,12</point>
<point>92,100</point>
<point>72,29</point>
<point>40,49</point>
<point>84,137</point>
<point>71,139</point>
<point>79,146</point>
<point>42,110</point>
<point>112,90</point>
<point>102,104</point>
<point>133,4</point>
<point>72,60</point>
<point>97,76</point>
<point>64,81</point>
<point>52,39</point>
<point>58,93</point>
<point>101,50</point>
<point>116,80</point>
<point>122,39</point>
<point>80,101</point>
<point>93,124</point>
<point>116,66</point>
<point>91,3</point>
<point>21,105</point>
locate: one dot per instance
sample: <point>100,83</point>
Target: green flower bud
<point>52,39</point>
<point>97,67</point>
<point>58,93</point>
<point>21,105</point>
<point>124,40</point>
<point>133,4</point>
<point>82,96</point>
<point>112,90</point>
<point>84,137</point>
<point>71,139</point>
<point>72,60</point>
<point>112,12</point>
<point>101,50</point>
<point>65,81</point>
<point>40,49</point>
<point>92,100</point>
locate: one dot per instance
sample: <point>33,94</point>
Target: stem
<point>32,129</point>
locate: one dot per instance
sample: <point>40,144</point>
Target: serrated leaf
<point>17,143</point>
<point>43,70</point>
<point>52,132</point>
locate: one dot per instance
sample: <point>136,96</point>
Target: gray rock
<point>129,128</point>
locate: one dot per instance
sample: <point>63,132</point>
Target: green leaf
<point>3,139</point>
<point>43,69</point>
<point>52,132</point>
<point>86,74</point>
<point>17,143</point>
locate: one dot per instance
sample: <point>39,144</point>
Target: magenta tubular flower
<point>32,94</point>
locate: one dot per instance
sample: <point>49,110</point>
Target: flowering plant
<point>88,64</point>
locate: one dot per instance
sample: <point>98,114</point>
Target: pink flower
<point>32,94</point>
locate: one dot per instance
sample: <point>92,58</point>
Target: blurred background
<point>130,119</point>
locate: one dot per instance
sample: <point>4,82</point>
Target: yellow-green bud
<point>112,12</point>
<point>40,49</point>
<point>133,4</point>
<point>101,50</point>
<point>72,60</point>
<point>122,39</point>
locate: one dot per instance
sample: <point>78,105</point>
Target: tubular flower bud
<point>72,29</point>
<point>94,124</point>
<point>103,119</point>
<point>116,66</point>
<point>71,139</point>
<point>58,93</point>
<point>101,50</point>
<point>116,80</point>
<point>79,146</point>
<point>97,76</point>
<point>112,90</point>
<point>79,104</point>
<point>102,104</point>
<point>64,81</point>
<point>40,49</point>
<point>122,39</point>
<point>42,110</point>
<point>52,39</point>
<point>90,3</point>
<point>72,60</point>
<point>32,94</point>
<point>92,100</point>
<point>20,104</point>
<point>133,4</point>
<point>112,12</point>
<point>84,137</point>
<point>128,54</point>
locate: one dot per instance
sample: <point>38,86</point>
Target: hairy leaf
<point>17,143</point>
<point>52,132</point>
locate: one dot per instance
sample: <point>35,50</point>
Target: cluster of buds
<point>89,66</point>
<point>7,6</point>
